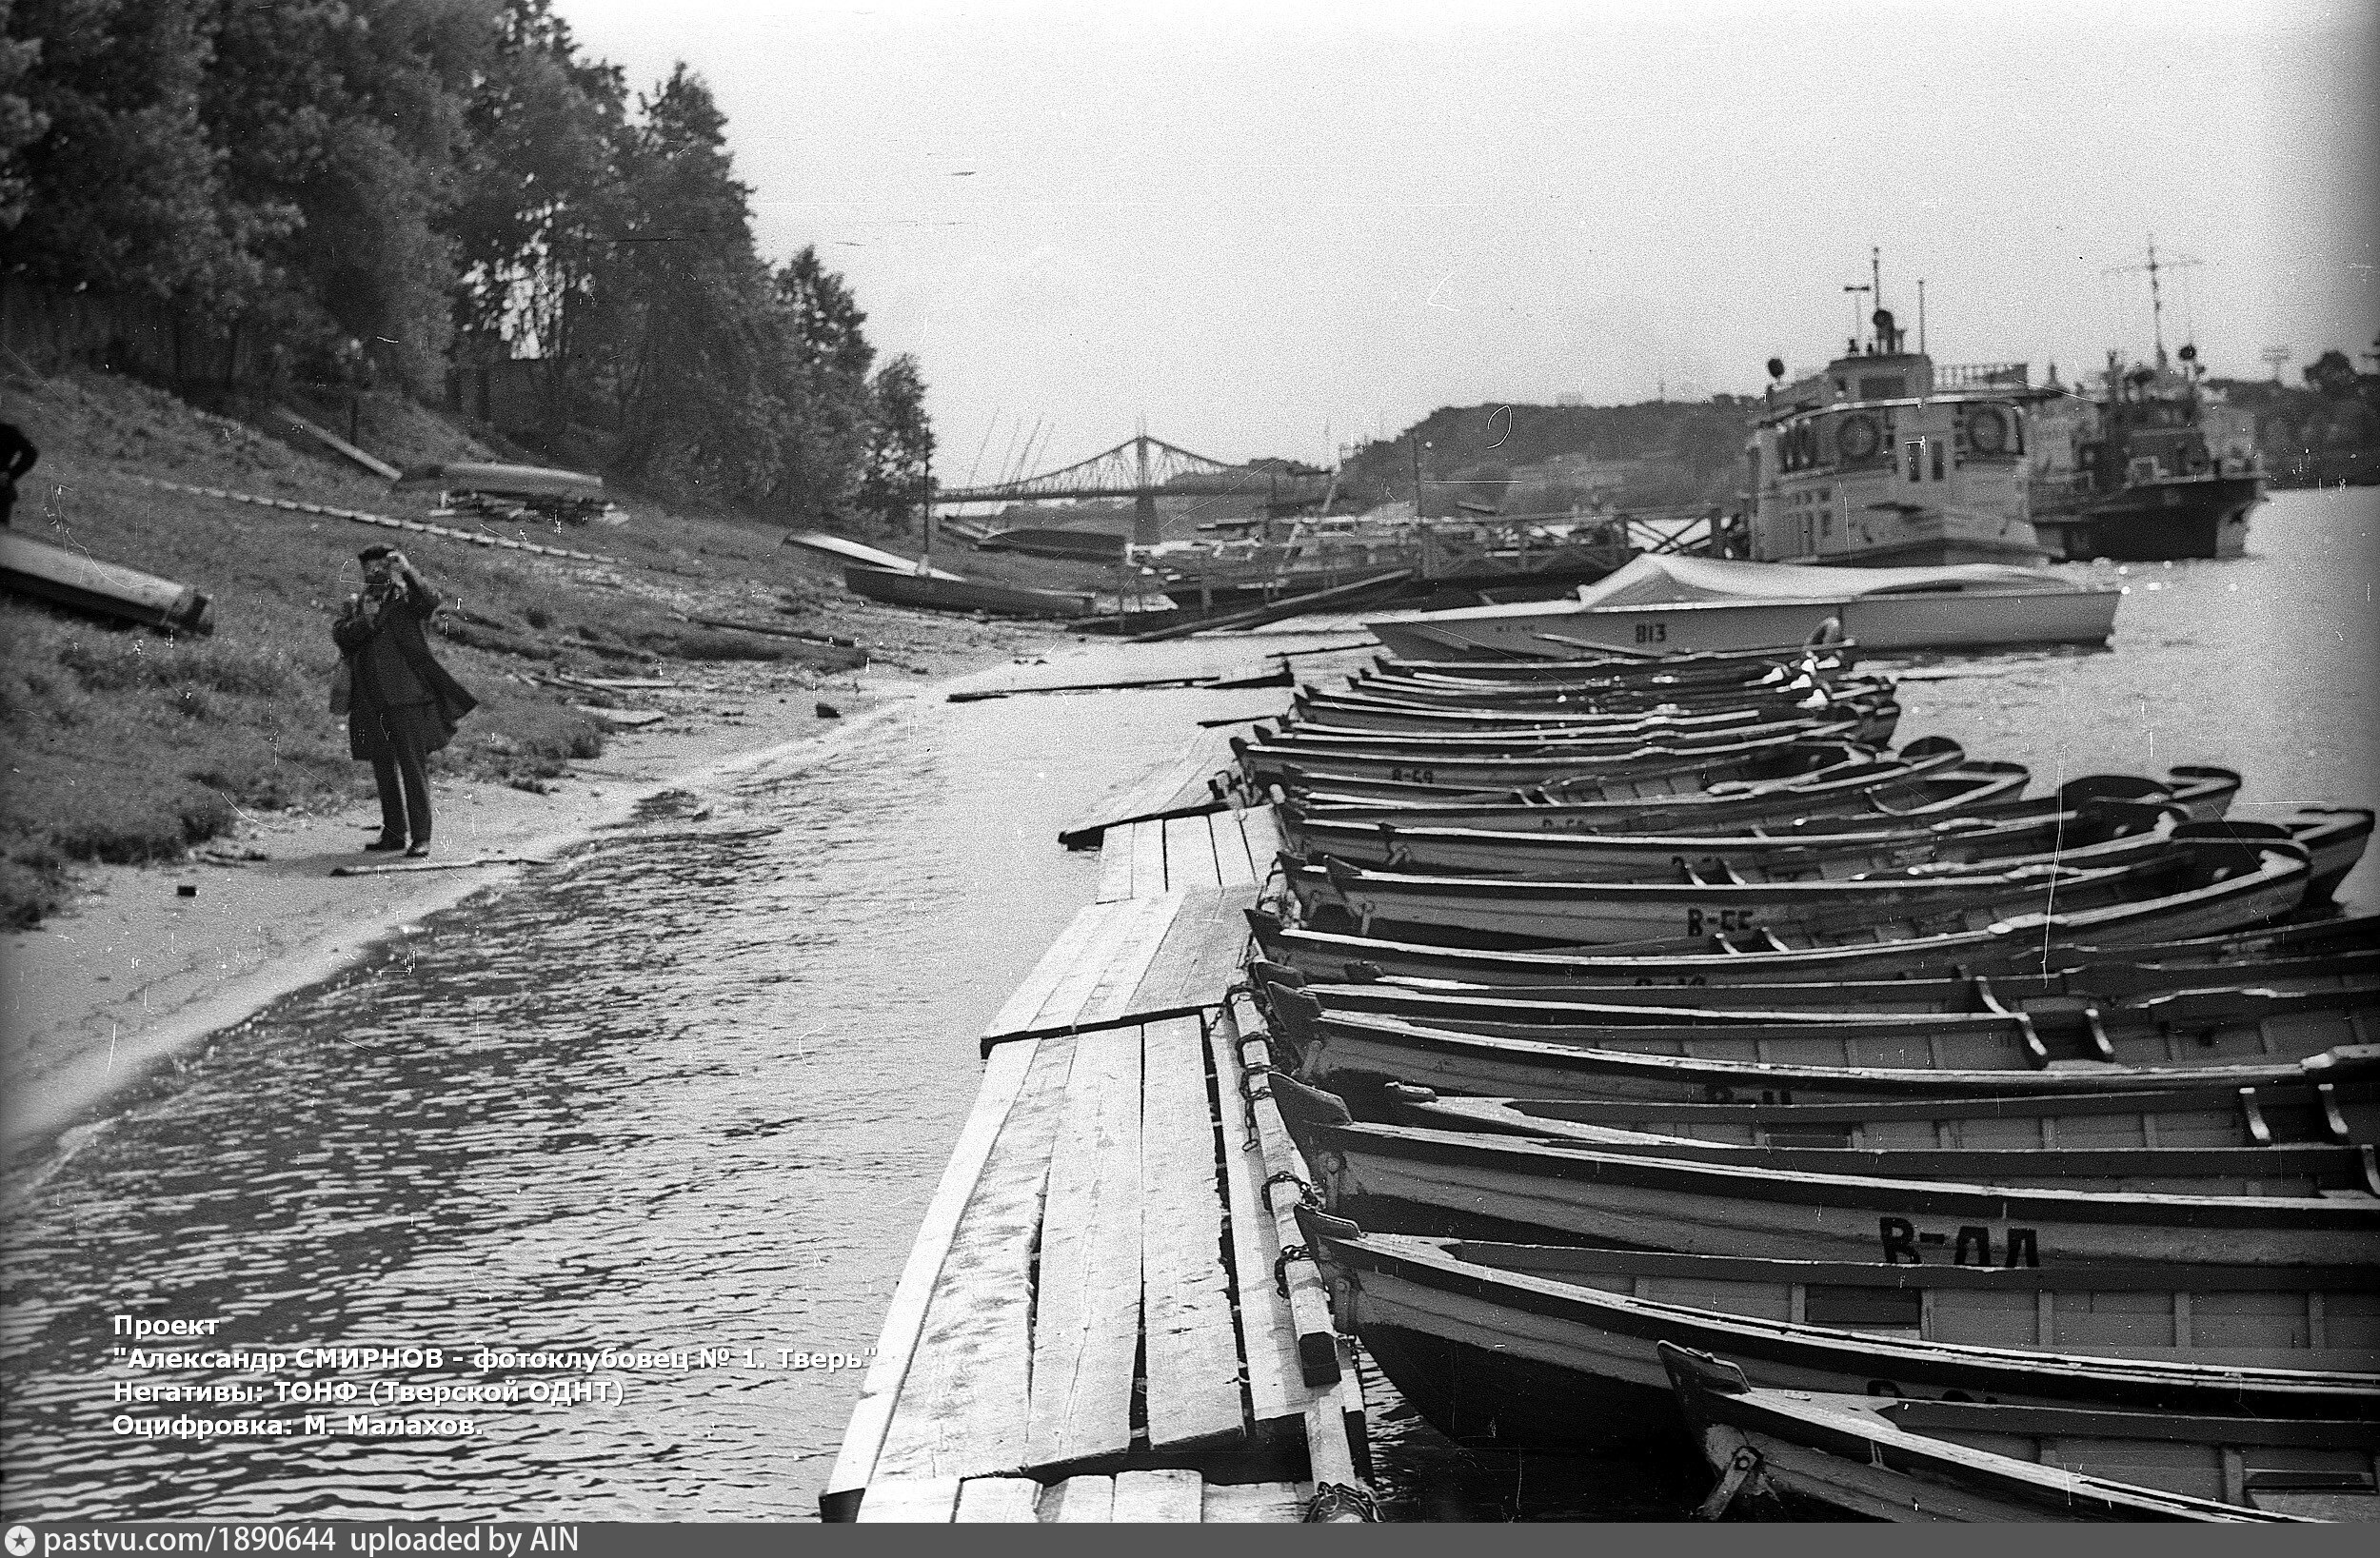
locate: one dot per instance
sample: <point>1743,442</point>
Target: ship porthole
<point>1987,429</point>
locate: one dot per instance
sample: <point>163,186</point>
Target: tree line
<point>380,190</point>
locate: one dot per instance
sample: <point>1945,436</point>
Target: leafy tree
<point>118,182</point>
<point>2332,374</point>
<point>824,388</point>
<point>535,190</point>
<point>21,124</point>
<point>900,445</point>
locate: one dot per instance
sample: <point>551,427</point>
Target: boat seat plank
<point>956,1412</point>
<point>1190,855</point>
<point>1006,1501</point>
<point>1080,1499</point>
<point>1169,1497</point>
<point>1191,1357</point>
<point>1254,1502</point>
<point>1004,1082</point>
<point>1087,1321</point>
<point>910,1501</point>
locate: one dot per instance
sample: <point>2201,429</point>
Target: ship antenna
<point>1875,289</point>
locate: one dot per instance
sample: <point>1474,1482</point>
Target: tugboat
<point>2156,468</point>
<point>1885,461</point>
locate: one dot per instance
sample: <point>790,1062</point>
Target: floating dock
<point>1107,1315</point>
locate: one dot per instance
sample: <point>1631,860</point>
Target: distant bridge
<point>1145,469</point>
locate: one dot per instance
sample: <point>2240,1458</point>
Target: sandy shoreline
<point>134,973</point>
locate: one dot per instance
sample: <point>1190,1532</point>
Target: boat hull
<point>939,594</point>
<point>2165,520</point>
<point>1976,620</point>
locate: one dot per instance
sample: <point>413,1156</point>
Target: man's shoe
<point>419,850</point>
<point>384,842</point>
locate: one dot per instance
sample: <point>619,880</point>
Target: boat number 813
<point>1653,632</point>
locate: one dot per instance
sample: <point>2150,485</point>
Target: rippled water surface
<point>690,1092</point>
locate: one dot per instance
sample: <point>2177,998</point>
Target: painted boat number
<point>1969,1246</point>
<point>1414,776</point>
<point>1723,921</point>
<point>1653,632</point>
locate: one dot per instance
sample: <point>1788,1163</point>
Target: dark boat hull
<point>2154,522</point>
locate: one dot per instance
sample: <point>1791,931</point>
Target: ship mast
<point>2156,298</point>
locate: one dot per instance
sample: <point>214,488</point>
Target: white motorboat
<point>1677,604</point>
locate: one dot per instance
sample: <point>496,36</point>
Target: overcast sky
<point>1273,228</point>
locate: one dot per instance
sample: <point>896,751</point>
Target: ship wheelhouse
<point>1885,461</point>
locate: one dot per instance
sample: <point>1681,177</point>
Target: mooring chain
<point>1308,1194</point>
<point>1281,1267</point>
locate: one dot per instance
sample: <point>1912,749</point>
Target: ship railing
<point>1982,376</point>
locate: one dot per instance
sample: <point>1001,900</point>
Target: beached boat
<point>937,591</point>
<point>1438,554</point>
<point>1467,1184</point>
<point>1716,604</point>
<point>1967,1460</point>
<point>1551,1346</point>
<point>1558,662</point>
<point>1648,772</point>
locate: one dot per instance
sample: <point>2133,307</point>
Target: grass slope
<point>130,745</point>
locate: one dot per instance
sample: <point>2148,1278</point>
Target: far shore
<point>135,974</point>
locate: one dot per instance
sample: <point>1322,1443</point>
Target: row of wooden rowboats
<point>1681,1068</point>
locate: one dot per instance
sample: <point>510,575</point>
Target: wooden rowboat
<point>1329,957</point>
<point>1557,1346</point>
<point>1357,1054</point>
<point>2186,1028</point>
<point>2332,1114</point>
<point>1905,906</point>
<point>1718,665</point>
<point>1922,1460</point>
<point>1404,1179</point>
<point>1760,752</point>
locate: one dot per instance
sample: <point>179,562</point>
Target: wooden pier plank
<point>1174,787</point>
<point>1162,1497</point>
<point>1309,1301</point>
<point>1087,1322</point>
<point>1252,1503</point>
<point>1276,1387</point>
<point>1192,1358</point>
<point>1232,866</point>
<point>1006,1501</point>
<point>1004,1077</point>
<point>955,1413</point>
<point>910,1501</point>
<point>1148,859</point>
<point>1061,959</point>
<point>1115,871</point>
<point>1080,1499</point>
<point>1109,999</point>
<point>1200,955</point>
<point>1089,963</point>
<point>1190,855</point>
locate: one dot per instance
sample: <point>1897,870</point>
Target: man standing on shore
<point>402,704</point>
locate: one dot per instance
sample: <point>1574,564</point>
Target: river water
<point>693,1089</point>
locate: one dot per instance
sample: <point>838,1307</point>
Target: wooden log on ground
<point>106,589</point>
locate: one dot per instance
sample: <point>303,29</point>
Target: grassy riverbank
<point>127,746</point>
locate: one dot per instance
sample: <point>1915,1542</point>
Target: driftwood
<point>404,867</point>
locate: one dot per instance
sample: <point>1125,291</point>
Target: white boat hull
<point>1879,625</point>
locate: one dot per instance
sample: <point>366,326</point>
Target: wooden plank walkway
<point>1089,1325</point>
<point>1183,785</point>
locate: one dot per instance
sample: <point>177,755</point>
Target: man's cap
<point>376,551</point>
